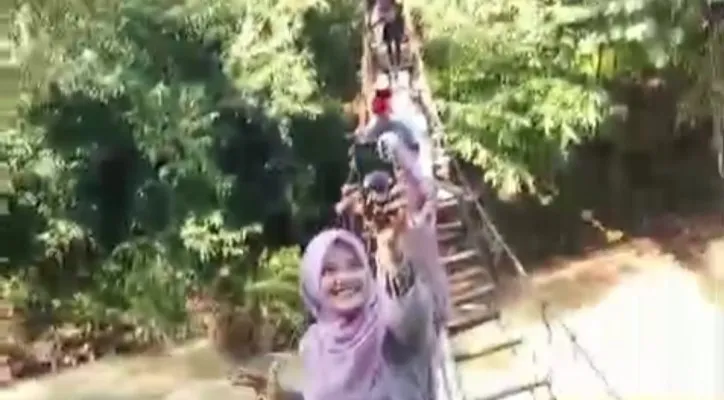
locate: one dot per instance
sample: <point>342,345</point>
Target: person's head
<point>383,93</point>
<point>387,145</point>
<point>336,278</point>
<point>382,86</point>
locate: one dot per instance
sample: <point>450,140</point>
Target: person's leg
<point>391,54</point>
<point>388,38</point>
<point>391,65</point>
<point>398,50</point>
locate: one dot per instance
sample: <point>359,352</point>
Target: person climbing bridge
<point>372,339</point>
<point>411,115</point>
<point>382,102</point>
<point>391,16</point>
<point>419,192</point>
<point>393,34</point>
<point>383,118</point>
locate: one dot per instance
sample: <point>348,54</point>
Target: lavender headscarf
<point>347,351</point>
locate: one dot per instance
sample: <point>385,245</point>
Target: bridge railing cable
<point>449,387</point>
<point>497,244</point>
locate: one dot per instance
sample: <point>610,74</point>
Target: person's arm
<point>375,127</point>
<point>421,247</point>
<point>427,211</point>
<point>407,303</point>
<point>379,21</point>
<point>350,200</point>
<point>265,386</point>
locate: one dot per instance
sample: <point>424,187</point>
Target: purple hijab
<point>346,350</point>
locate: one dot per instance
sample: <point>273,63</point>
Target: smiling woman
<point>371,340</point>
<point>344,278</point>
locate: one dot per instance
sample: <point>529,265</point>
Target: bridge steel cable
<point>446,376</point>
<point>499,246</point>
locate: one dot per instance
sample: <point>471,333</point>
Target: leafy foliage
<point>182,145</point>
<point>522,83</point>
<point>160,149</point>
<point>276,290</point>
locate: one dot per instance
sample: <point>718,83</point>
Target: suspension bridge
<point>471,248</point>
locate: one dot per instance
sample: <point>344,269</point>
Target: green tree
<point>162,144</point>
<point>522,83</point>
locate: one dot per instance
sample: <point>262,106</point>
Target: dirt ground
<point>194,372</point>
<point>648,323</point>
<point>651,323</point>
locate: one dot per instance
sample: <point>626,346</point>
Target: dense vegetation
<point>169,147</point>
<point>522,83</point>
<point>174,147</point>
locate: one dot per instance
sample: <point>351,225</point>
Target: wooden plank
<point>462,321</point>
<point>449,226</point>
<point>484,352</point>
<point>447,238</point>
<point>517,389</point>
<point>462,256</point>
<point>474,272</point>
<point>471,291</point>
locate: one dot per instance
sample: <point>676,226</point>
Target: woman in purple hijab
<point>372,340</point>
